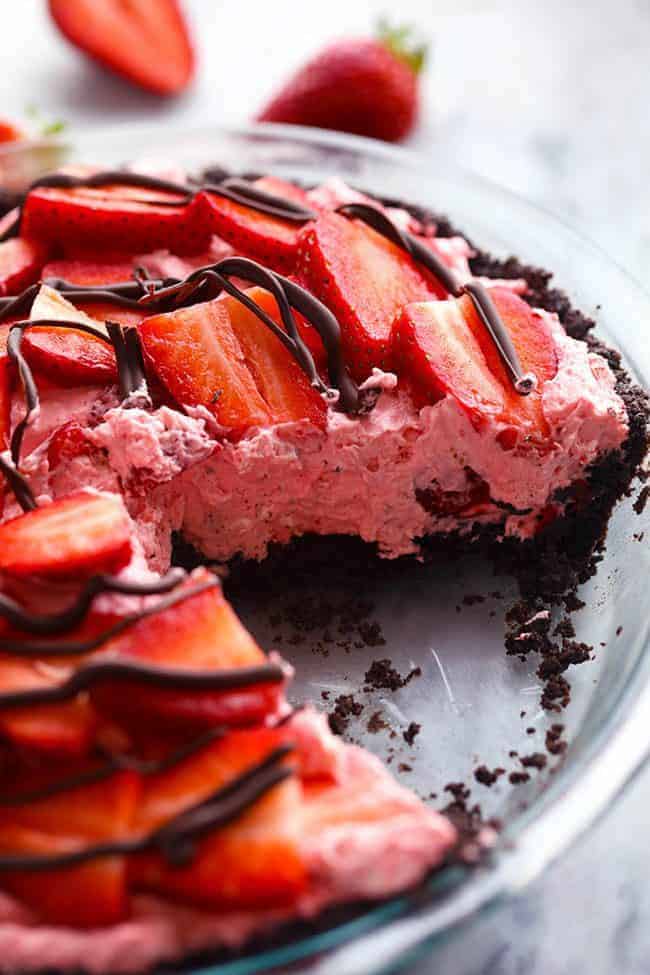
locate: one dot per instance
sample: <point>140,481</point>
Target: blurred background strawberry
<point>366,85</point>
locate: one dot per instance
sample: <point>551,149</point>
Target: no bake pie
<point>243,363</point>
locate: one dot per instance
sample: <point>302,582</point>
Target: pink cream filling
<point>368,839</point>
<point>366,476</point>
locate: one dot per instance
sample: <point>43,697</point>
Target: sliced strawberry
<point>168,793</point>
<point>253,861</point>
<point>110,218</point>
<point>196,355</point>
<point>281,381</point>
<point>365,280</point>
<point>199,633</point>
<point>90,895</point>
<point>88,272</point>
<point>21,262</point>
<point>75,535</point>
<point>65,355</point>
<point>56,729</point>
<point>147,43</point>
<point>533,341</point>
<point>93,893</point>
<point>444,348</point>
<point>267,239</point>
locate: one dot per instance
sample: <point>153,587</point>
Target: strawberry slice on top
<point>253,861</point>
<point>197,357</point>
<point>444,349</point>
<point>88,895</point>
<point>112,218</point>
<point>198,633</point>
<point>365,280</point>
<point>282,382</point>
<point>21,262</point>
<point>76,535</point>
<point>269,239</point>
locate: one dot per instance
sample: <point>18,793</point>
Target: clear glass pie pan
<point>470,696</point>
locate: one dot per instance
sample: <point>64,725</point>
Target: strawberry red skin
<point>74,536</point>
<point>269,240</point>
<point>150,47</point>
<point>10,132</point>
<point>107,219</point>
<point>354,85</point>
<point>196,355</point>
<point>365,280</point>
<point>21,262</point>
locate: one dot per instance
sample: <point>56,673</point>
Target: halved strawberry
<point>65,729</point>
<point>21,262</point>
<point>90,894</point>
<point>365,280</point>
<point>147,43</point>
<point>112,218</point>
<point>67,443</point>
<point>78,534</point>
<point>281,381</point>
<point>199,633</point>
<point>266,238</point>
<point>444,348</point>
<point>196,355</point>
<point>251,862</point>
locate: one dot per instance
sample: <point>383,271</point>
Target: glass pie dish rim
<point>398,930</point>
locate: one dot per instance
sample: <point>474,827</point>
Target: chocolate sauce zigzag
<point>116,763</point>
<point>242,191</point>
<point>230,187</point>
<point>130,671</point>
<point>20,647</point>
<point>524,383</point>
<point>176,839</point>
<point>68,618</point>
<point>209,281</point>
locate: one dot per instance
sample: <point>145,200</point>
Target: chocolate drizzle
<point>74,648</point>
<point>116,763</point>
<point>175,839</point>
<point>208,282</point>
<point>524,383</point>
<point>70,617</point>
<point>125,177</point>
<point>242,191</point>
<point>132,671</point>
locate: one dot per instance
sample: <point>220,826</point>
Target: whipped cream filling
<point>370,476</point>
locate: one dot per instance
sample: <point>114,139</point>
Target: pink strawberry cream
<point>364,837</point>
<point>392,476</point>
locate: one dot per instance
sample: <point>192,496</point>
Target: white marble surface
<point>550,99</point>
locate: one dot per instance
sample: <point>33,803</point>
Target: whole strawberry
<point>368,86</point>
